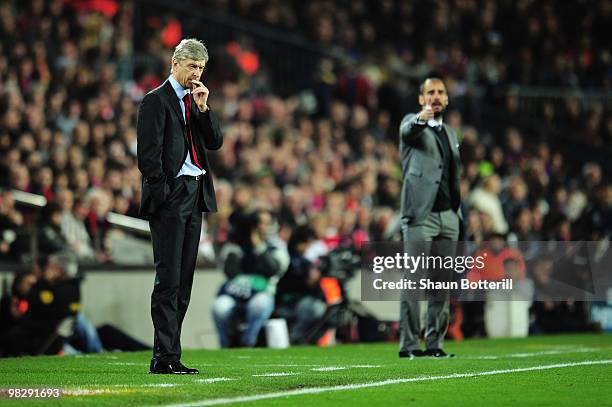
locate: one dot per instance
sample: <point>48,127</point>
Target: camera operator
<point>253,269</point>
<point>300,299</point>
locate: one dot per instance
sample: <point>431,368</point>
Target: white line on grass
<point>132,386</point>
<point>277,365</point>
<point>551,352</point>
<point>264,365</point>
<point>534,354</point>
<point>328,369</point>
<point>318,390</point>
<point>214,380</point>
<point>85,392</point>
<point>209,380</point>
<point>275,374</point>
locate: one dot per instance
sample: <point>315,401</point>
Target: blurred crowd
<point>67,123</point>
<point>525,42</point>
<point>69,106</point>
<point>69,97</point>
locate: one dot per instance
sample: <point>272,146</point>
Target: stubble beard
<point>438,115</point>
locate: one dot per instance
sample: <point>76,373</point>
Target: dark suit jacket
<point>422,167</point>
<point>163,145</point>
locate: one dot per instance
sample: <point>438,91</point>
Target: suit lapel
<point>452,139</point>
<point>174,102</point>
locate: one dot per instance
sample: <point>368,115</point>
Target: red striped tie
<point>194,155</point>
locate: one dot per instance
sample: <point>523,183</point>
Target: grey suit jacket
<point>422,167</point>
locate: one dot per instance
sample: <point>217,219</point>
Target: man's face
<point>265,221</point>
<point>26,284</point>
<point>54,271</point>
<point>186,71</point>
<point>434,95</point>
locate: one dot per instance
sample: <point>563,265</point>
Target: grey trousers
<point>437,226</point>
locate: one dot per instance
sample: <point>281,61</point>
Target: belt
<point>192,177</point>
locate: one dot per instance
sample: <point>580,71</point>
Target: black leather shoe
<point>161,367</point>
<point>411,354</point>
<point>188,369</point>
<point>438,353</point>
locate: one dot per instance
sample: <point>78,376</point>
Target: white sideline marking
<point>300,365</point>
<point>316,368</point>
<point>318,390</point>
<point>551,352</point>
<point>91,392</point>
<point>275,374</point>
<point>132,386</point>
<point>328,369</point>
<point>214,380</point>
<point>85,392</point>
<point>210,380</point>
<point>533,354</point>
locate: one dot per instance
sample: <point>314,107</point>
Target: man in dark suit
<point>175,129</point>
<point>430,202</point>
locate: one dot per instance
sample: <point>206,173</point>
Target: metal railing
<point>34,203</point>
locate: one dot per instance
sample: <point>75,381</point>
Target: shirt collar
<point>434,123</point>
<point>178,89</point>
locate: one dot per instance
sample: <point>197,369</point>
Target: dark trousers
<point>175,231</point>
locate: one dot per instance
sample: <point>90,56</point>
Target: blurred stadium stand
<point>310,94</point>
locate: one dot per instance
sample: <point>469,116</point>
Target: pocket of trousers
<point>176,186</point>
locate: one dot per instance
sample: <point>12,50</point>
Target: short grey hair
<point>191,48</point>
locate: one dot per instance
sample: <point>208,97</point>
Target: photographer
<point>253,269</point>
<point>300,299</point>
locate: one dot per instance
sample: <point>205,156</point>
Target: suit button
<point>437,182</point>
<point>440,166</point>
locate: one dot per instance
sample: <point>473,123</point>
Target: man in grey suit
<point>430,202</point>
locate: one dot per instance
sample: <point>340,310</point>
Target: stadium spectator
<point>72,226</point>
<point>11,221</point>
<point>253,269</point>
<point>50,237</point>
<point>300,299</point>
<point>485,198</point>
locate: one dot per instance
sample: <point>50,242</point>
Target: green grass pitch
<point>565,370</point>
